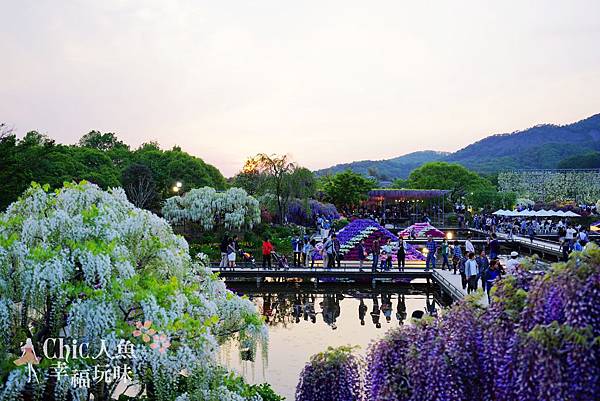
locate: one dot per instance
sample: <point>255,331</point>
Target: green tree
<point>172,166</point>
<point>100,141</point>
<point>276,170</point>
<point>399,183</point>
<point>139,185</point>
<point>346,188</point>
<point>454,177</point>
<point>491,199</point>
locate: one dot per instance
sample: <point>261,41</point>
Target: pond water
<point>304,320</point>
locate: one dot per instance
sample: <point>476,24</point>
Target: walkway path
<point>537,244</point>
<point>452,284</point>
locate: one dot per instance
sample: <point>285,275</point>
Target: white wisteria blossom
<point>232,209</point>
<point>86,265</point>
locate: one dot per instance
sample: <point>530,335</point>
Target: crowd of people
<point>571,236</point>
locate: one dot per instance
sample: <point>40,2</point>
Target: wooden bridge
<point>392,279</point>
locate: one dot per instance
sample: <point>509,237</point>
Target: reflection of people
<point>401,309</point>
<point>362,311</point>
<point>431,310</point>
<point>375,314</point>
<point>386,307</point>
<point>331,310</point>
<point>297,309</point>
<point>309,309</point>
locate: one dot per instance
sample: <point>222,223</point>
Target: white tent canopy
<point>539,213</point>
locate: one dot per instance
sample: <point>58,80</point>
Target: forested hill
<point>542,146</point>
<point>388,169</point>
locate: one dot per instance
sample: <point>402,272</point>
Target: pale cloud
<point>327,81</point>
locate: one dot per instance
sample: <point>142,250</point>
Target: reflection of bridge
<point>347,288</point>
<point>348,274</point>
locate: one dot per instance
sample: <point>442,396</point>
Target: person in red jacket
<point>267,249</point>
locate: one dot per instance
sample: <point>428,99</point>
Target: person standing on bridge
<point>401,253</point>
<point>445,252</point>
<point>494,247</point>
<point>432,249</point>
<point>362,254</point>
<point>223,248</point>
<point>456,256</point>
<point>472,273</point>
<point>267,249</point>
<point>375,250</point>
<point>469,247</point>
<point>297,249</point>
<point>484,264</point>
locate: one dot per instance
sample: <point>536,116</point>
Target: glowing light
<point>175,188</point>
<point>178,184</point>
<point>449,235</point>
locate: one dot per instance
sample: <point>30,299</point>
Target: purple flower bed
<point>538,340</point>
<point>358,227</point>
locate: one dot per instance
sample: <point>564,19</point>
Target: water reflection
<point>304,320</point>
<point>284,309</point>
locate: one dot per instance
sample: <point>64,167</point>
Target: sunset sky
<point>325,81</point>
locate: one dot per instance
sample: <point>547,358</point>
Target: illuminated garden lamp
<point>178,184</point>
<point>175,188</point>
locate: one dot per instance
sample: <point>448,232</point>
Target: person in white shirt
<point>512,263</point>
<point>469,245</point>
<point>570,234</point>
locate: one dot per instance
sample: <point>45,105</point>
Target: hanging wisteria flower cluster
<point>305,213</point>
<point>232,209</point>
<point>539,340</point>
<point>85,265</point>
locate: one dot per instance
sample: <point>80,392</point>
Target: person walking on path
<point>531,232</point>
<point>401,254</point>
<point>471,272</point>
<point>456,256</point>
<point>513,263</point>
<point>362,254</point>
<point>445,252</point>
<point>328,253</point>
<point>387,249</point>
<point>223,248</point>
<point>483,264</point>
<point>308,249</point>
<point>493,275</point>
<point>267,249</point>
<point>566,249</point>
<point>432,249</point>
<point>375,250</point>
<point>337,250</point>
<point>231,253</point>
<point>469,247</point>
<point>494,247</point>
<point>297,249</point>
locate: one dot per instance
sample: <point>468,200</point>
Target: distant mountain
<point>389,169</point>
<point>542,146</point>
